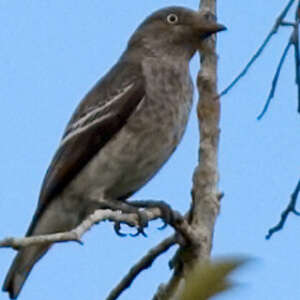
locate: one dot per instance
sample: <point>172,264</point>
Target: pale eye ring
<point>172,19</point>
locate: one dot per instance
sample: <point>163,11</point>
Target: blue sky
<point>52,52</point>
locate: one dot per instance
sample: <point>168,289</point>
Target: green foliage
<point>209,279</point>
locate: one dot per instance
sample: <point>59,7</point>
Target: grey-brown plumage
<point>123,130</point>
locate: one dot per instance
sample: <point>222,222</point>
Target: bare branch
<point>78,232</point>
<point>287,24</point>
<point>184,236</point>
<point>278,23</point>
<point>144,263</point>
<point>275,79</point>
<point>295,41</point>
<point>205,193</point>
<point>291,208</point>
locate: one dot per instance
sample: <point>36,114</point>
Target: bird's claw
<point>168,215</point>
<point>117,228</point>
<point>138,232</point>
<point>142,223</point>
<point>163,226</point>
<point>128,208</point>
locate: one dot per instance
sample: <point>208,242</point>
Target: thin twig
<point>274,29</point>
<point>287,24</point>
<point>295,40</point>
<point>291,208</point>
<point>144,263</point>
<point>184,236</point>
<point>76,234</point>
<point>275,79</point>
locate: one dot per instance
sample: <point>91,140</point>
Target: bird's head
<point>174,29</point>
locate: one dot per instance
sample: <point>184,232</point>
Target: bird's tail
<point>21,267</point>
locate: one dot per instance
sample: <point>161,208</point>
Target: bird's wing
<point>91,127</point>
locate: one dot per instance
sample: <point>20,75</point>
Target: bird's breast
<point>147,140</point>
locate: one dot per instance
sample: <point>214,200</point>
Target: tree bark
<point>205,194</point>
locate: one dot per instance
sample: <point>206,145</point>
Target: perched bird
<point>123,130</point>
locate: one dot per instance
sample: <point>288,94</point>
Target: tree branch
<point>184,236</point>
<point>275,80</point>
<point>295,41</point>
<point>205,194</point>
<point>76,234</point>
<point>144,263</point>
<point>291,208</point>
<point>279,22</point>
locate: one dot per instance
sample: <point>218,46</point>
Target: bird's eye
<point>172,19</point>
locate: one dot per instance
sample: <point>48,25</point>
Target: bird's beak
<point>212,28</point>
<point>204,28</point>
<point>204,23</point>
<point>207,29</point>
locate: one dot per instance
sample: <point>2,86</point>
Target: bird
<point>123,130</point>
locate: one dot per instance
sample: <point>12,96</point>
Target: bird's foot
<point>127,208</point>
<point>168,215</point>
